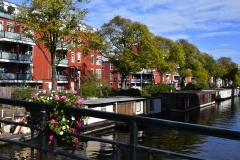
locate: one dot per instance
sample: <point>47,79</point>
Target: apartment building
<point>23,63</point>
<point>140,79</point>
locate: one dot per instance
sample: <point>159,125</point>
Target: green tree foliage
<point>171,55</point>
<point>198,86</point>
<point>129,46</point>
<point>228,69</point>
<point>193,63</point>
<point>53,24</point>
<point>158,88</point>
<point>94,87</point>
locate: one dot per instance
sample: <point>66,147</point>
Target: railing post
<point>133,140</point>
<point>43,136</point>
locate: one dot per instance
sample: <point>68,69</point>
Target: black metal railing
<point>133,121</point>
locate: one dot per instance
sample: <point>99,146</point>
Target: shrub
<point>22,93</point>
<point>158,88</point>
<point>192,86</point>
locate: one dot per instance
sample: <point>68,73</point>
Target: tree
<point>130,46</point>
<point>192,66</point>
<point>53,24</point>
<point>171,53</point>
<point>228,69</point>
<point>210,65</point>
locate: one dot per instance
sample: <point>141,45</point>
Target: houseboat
<point>182,101</point>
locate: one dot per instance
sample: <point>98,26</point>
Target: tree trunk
<point>54,87</point>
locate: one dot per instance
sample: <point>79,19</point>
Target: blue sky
<point>213,26</point>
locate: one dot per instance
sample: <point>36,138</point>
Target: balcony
<point>63,62</point>
<point>176,74</point>
<point>62,78</point>
<point>15,37</point>
<point>5,15</point>
<point>62,46</point>
<point>14,56</point>
<point>138,80</point>
<point>15,76</point>
<point>145,71</point>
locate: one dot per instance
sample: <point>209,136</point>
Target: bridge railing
<point>133,121</point>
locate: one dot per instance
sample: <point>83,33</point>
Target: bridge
<point>134,121</point>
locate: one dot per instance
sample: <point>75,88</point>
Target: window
<point>111,84</point>
<point>98,60</point>
<point>111,66</point>
<point>72,72</point>
<point>73,56</point>
<point>78,72</point>
<point>119,85</point>
<point>92,59</point>
<point>9,27</point>
<point>111,76</point>
<point>119,76</point>
<point>1,25</point>
<point>98,73</point>
<point>92,71</point>
<point>79,58</point>
<point>151,105</point>
<point>102,66</point>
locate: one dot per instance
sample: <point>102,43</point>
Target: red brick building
<point>23,63</point>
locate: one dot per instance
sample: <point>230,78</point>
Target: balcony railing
<point>14,56</point>
<point>143,80</point>
<point>176,74</point>
<point>63,62</point>
<point>5,15</point>
<point>15,36</point>
<point>15,76</point>
<point>63,46</point>
<point>62,78</point>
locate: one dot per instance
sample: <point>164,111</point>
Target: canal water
<point>224,114</point>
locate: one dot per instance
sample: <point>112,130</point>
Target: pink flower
<point>63,97</point>
<point>74,92</point>
<point>57,98</point>
<point>56,123</point>
<point>51,137</point>
<point>79,124</point>
<point>52,121</point>
<point>73,106</point>
<point>66,100</point>
<point>35,95</point>
<point>80,100</point>
<point>73,130</point>
<point>55,114</point>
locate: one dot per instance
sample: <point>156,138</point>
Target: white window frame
<point>1,27</point>
<point>111,66</point>
<point>79,58</point>
<point>98,73</point>
<point>78,72</point>
<point>98,60</point>
<point>111,84</point>
<point>92,71</point>
<point>111,76</point>
<point>9,27</point>
<point>72,57</point>
<point>119,76</point>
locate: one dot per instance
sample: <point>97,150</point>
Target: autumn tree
<point>171,55</point>
<point>130,46</point>
<point>53,24</point>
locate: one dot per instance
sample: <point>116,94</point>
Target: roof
<point>111,100</point>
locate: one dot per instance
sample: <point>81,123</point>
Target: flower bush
<point>58,121</point>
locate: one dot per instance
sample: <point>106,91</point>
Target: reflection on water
<point>225,114</point>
